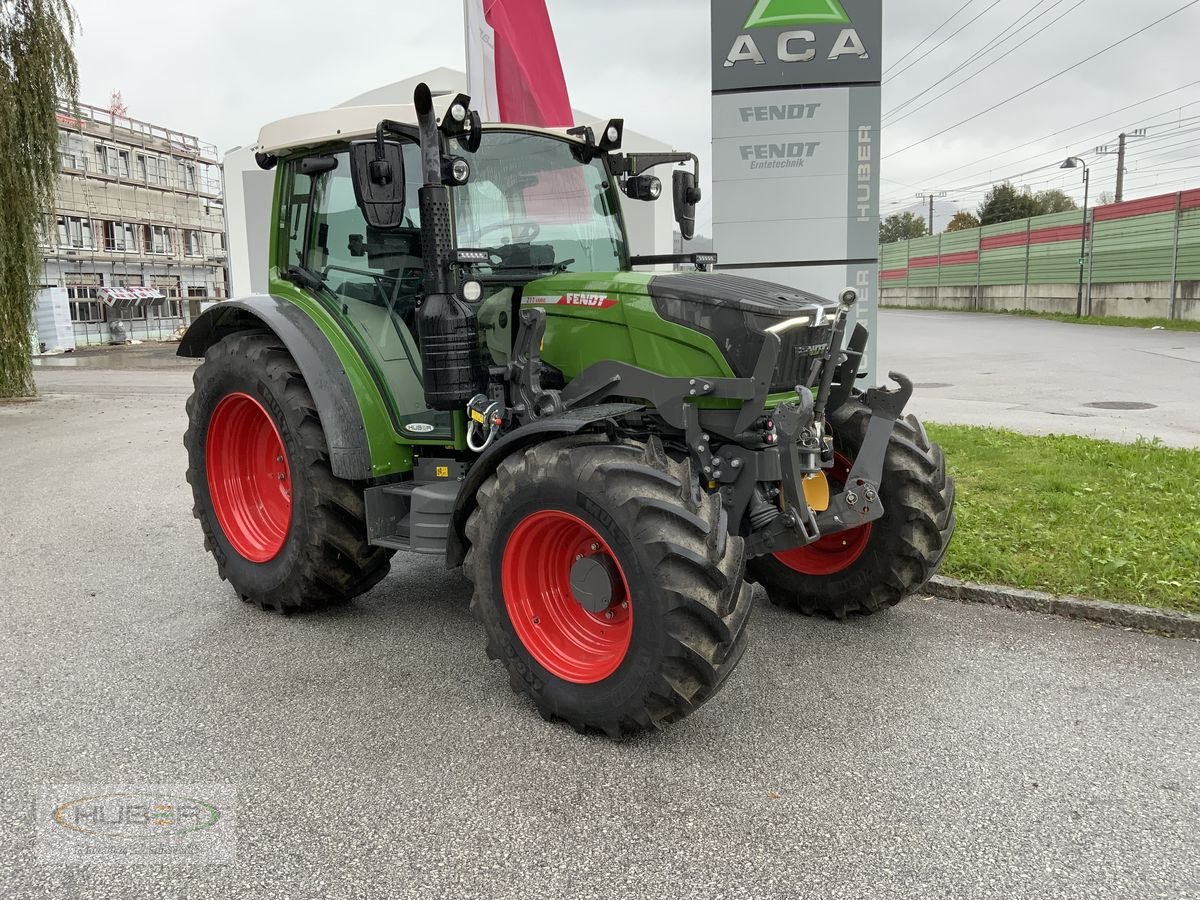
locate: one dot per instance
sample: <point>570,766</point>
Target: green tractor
<point>458,357</point>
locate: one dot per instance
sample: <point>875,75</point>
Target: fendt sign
<point>795,42</point>
<point>796,143</point>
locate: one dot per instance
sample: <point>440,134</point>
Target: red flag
<point>513,67</point>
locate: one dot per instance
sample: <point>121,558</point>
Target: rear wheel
<point>285,532</point>
<point>607,582</point>
<point>871,568</point>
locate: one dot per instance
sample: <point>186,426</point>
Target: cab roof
<point>358,122</point>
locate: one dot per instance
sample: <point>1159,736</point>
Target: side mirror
<point>686,195</point>
<point>379,182</point>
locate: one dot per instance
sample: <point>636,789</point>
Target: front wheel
<point>873,567</point>
<point>285,532</point>
<point>607,582</point>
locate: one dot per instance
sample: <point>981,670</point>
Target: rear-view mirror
<point>686,195</point>
<point>379,182</point>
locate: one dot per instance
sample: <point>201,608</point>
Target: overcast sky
<point>221,69</point>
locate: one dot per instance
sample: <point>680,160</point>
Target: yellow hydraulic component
<point>816,491</point>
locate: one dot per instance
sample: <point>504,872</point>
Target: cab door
<point>373,281</point>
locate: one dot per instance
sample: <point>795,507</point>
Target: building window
<point>195,291</point>
<point>152,169</point>
<point>191,243</point>
<point>83,290</point>
<point>75,232</point>
<point>113,161</point>
<point>120,237</point>
<point>71,150</point>
<point>43,231</point>
<point>185,175</point>
<point>158,240</point>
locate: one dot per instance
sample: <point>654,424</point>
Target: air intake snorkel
<point>451,358</point>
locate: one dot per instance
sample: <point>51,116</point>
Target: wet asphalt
<point>939,750</point>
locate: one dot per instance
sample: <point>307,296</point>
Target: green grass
<point>1071,515</point>
<point>1118,321</point>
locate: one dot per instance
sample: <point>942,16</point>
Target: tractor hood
<point>733,313</point>
<point>717,291</point>
<point>737,312</point>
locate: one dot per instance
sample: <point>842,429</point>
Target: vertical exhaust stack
<point>450,353</point>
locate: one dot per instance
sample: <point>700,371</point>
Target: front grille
<point>800,347</point>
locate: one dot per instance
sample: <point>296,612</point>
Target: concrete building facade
<point>138,231</point>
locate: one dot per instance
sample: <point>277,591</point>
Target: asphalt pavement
<point>1046,377</point>
<point>939,750</point>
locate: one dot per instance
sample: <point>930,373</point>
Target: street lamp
<point>1074,162</point>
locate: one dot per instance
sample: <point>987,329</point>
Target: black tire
<point>906,545</point>
<point>325,557</point>
<point>687,593</point>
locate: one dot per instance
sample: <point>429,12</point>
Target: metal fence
<point>1156,239</point>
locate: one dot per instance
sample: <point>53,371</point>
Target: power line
<point>1075,128</point>
<point>1045,81</point>
<point>979,72</point>
<point>928,36</point>
<point>972,57</point>
<point>943,42</point>
<point>1170,135</point>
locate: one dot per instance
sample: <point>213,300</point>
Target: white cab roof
<point>354,123</point>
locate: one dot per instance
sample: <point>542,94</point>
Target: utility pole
<point>931,196</point>
<point>1122,145</point>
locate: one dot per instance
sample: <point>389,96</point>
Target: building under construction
<point>137,239</point>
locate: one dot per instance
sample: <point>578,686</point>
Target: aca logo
<point>797,45</point>
<point>781,13</point>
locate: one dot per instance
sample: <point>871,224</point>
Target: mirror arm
<point>386,127</point>
<point>637,163</point>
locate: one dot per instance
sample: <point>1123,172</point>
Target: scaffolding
<point>137,205</point>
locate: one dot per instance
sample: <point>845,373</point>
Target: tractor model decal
<point>587,301</point>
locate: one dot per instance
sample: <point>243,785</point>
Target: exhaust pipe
<point>451,358</point>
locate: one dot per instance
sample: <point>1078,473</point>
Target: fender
<point>564,425</point>
<point>349,452</point>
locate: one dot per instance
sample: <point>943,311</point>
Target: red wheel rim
<point>835,552</point>
<point>249,480</point>
<point>566,639</point>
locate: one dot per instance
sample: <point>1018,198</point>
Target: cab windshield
<point>535,203</point>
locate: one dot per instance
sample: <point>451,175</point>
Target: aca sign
<point>796,143</point>
<point>773,43</point>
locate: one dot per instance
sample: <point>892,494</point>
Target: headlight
<point>471,291</point>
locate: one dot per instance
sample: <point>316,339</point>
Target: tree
<point>37,69</point>
<point>1053,201</point>
<point>963,221</point>
<point>1004,203</point>
<point>901,227</point>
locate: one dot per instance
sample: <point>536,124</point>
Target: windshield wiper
<point>304,277</point>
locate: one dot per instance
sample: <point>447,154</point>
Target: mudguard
<point>539,430</point>
<point>349,452</point>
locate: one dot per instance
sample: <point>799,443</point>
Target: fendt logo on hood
<point>796,46</point>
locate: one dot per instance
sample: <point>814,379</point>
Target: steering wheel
<point>528,230</point>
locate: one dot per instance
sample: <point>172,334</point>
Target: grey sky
<point>221,69</point>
